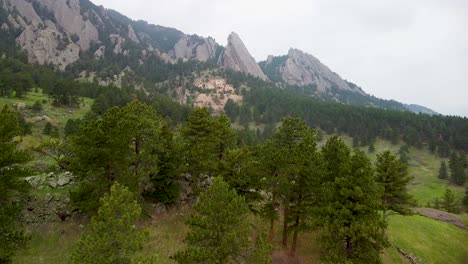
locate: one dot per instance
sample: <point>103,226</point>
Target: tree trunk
<point>348,247</point>
<point>385,221</point>
<point>292,252</point>
<point>272,220</point>
<point>285,225</point>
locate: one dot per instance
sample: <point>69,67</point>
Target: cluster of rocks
<point>51,180</point>
<point>49,208</point>
<point>187,195</point>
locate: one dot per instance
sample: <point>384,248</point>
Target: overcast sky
<point>411,51</point>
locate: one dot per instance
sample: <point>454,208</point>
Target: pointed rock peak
<point>237,57</point>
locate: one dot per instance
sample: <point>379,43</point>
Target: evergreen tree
<point>457,168</point>
<point>111,236</point>
<point>47,129</point>
<point>437,204</point>
<point>350,225</point>
<point>13,189</point>
<point>239,169</point>
<point>219,229</point>
<point>465,200</point>
<point>443,174</point>
<point>449,203</point>
<point>393,179</point>
<point>127,145</point>
<point>261,253</point>
<point>206,139</point>
<point>288,159</point>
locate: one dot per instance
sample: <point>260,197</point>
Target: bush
<point>37,106</point>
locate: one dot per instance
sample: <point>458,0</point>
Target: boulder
<point>64,179</point>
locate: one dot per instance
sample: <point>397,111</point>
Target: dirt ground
<point>441,216</point>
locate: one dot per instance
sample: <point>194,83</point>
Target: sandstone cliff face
<point>49,42</point>
<point>191,47</point>
<point>237,57</point>
<point>43,48</point>
<point>302,69</point>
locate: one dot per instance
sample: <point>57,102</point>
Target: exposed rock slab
<point>237,57</point>
<point>43,48</point>
<point>194,47</point>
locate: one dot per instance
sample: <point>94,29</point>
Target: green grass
<point>430,240</point>
<point>50,243</point>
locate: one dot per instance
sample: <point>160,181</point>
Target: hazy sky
<point>411,51</point>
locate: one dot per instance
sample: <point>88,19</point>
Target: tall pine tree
<point>218,229</point>
<point>13,189</point>
<point>350,224</point>
<point>443,174</point>
<point>393,178</point>
<point>111,236</point>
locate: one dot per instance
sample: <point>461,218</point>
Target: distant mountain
<point>79,36</point>
<point>420,109</point>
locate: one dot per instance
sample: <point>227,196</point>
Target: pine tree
<point>218,229</point>
<point>261,253</point>
<point>449,203</point>
<point>443,174</point>
<point>47,129</point>
<point>465,200</point>
<point>457,168</point>
<point>13,189</point>
<point>206,139</point>
<point>111,236</point>
<point>349,222</point>
<point>393,179</point>
<point>288,158</point>
<point>127,145</point>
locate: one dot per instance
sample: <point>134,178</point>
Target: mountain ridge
<point>62,32</point>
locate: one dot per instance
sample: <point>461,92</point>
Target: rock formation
<point>50,42</point>
<point>237,57</point>
<point>194,47</point>
<point>302,69</point>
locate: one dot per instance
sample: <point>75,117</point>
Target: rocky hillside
<point>59,32</point>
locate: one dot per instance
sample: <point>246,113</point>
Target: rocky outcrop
<point>99,53</point>
<point>117,41</point>
<point>68,16</point>
<point>214,94</point>
<point>236,56</point>
<point>302,69</point>
<point>50,42</point>
<point>44,47</point>
<point>194,47</point>
<point>131,34</point>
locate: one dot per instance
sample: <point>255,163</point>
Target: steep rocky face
<point>302,69</point>
<point>43,48</point>
<point>194,47</point>
<point>53,31</point>
<point>237,57</point>
<point>68,16</point>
